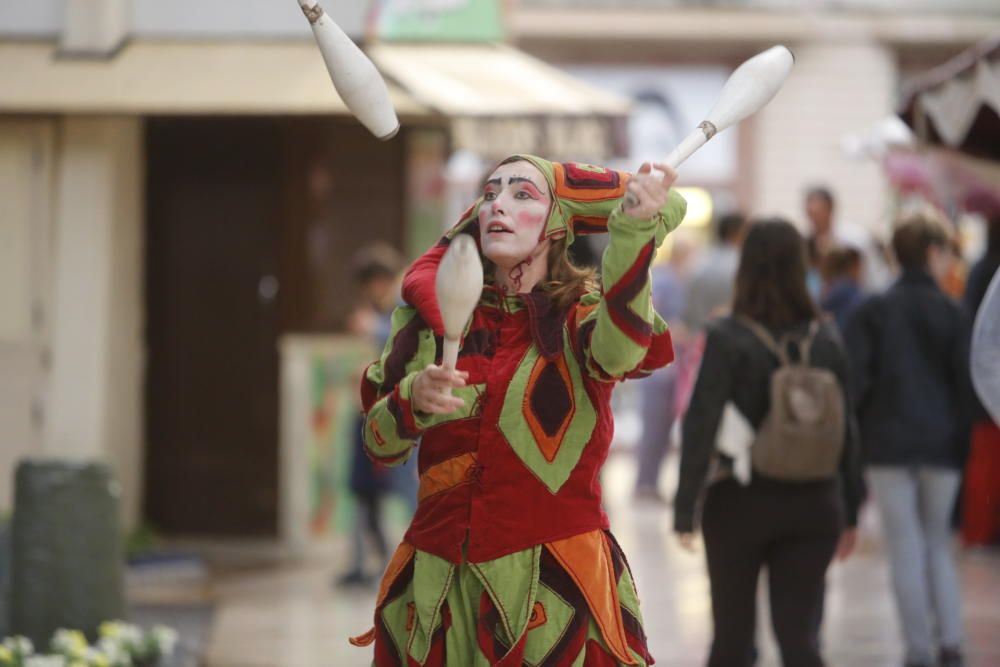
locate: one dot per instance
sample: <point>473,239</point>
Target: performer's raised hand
<point>650,190</point>
<point>431,390</point>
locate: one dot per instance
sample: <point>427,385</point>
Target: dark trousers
<point>368,520</point>
<point>792,530</point>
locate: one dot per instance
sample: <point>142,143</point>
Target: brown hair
<point>566,282</point>
<point>376,261</point>
<point>913,237</point>
<point>839,262</point>
<point>771,280</point>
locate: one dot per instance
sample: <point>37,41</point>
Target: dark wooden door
<point>213,288</point>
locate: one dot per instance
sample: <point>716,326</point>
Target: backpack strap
<point>806,343</point>
<point>780,348</point>
<point>765,337</point>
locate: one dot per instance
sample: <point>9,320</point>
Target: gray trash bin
<point>66,549</point>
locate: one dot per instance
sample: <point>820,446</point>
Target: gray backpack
<point>802,435</point>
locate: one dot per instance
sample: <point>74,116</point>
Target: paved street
<point>294,618</point>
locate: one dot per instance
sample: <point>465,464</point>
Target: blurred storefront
<point>184,190</point>
<point>183,199</point>
<point>952,160</point>
<point>851,57</point>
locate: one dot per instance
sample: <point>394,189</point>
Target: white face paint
<point>513,214</point>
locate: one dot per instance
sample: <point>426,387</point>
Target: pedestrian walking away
<point>787,496</point>
<point>909,354</point>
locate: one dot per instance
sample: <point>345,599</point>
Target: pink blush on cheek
<point>529,219</point>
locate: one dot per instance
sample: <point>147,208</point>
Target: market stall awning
<point>957,104</point>
<point>498,99</point>
<point>189,77</point>
<point>502,100</point>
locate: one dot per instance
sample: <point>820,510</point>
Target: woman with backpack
<point>790,502</point>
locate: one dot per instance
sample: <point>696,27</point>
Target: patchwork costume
<point>508,559</point>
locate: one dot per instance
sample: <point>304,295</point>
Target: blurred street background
<point>183,198</point>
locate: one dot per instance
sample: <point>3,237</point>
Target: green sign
<point>440,20</point>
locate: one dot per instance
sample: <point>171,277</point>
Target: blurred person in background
<point>909,350</point>
<point>375,272</point>
<point>659,396</point>
<point>709,294</point>
<point>710,288</point>
<point>842,291</point>
<point>981,497</point>
<point>749,522</point>
<point>826,234</point>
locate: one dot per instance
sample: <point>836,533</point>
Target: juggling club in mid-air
<point>354,76</point>
<point>747,90</point>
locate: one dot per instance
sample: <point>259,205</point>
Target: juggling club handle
<point>449,353</point>
<point>449,356</point>
<point>682,152</point>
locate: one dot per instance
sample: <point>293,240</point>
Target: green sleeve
<point>619,330</point>
<point>391,425</point>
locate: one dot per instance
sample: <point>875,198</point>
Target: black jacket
<point>737,367</point>
<point>909,350</point>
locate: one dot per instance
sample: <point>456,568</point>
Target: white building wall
<point>835,89</point>
<point>31,18</point>
<point>95,400</point>
<point>186,18</point>
<point>249,18</point>
<point>26,158</point>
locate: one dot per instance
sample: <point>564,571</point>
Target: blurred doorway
<point>252,224</point>
<point>213,287</point>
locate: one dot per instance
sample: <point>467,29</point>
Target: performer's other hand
<point>687,541</point>
<point>651,191</point>
<point>431,387</point>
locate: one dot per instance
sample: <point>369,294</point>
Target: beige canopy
<point>497,99</point>
<point>176,78</point>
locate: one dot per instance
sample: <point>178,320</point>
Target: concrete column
<point>836,88</point>
<point>95,400</point>
<point>94,27</point>
<point>27,149</point>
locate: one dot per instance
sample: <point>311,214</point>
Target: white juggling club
<point>459,284</point>
<point>749,88</point>
<point>354,76</point>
